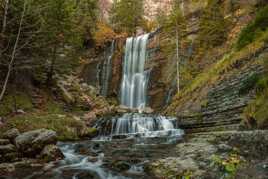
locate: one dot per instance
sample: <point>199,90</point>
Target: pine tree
<point>127,15</point>
<point>212,25</point>
<point>174,27</point>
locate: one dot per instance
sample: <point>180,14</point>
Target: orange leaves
<point>103,34</point>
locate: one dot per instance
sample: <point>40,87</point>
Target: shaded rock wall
<point>91,71</point>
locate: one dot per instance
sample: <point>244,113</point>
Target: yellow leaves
<point>228,164</point>
<point>103,34</point>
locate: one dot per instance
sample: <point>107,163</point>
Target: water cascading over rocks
<point>106,70</point>
<point>133,95</point>
<point>135,77</point>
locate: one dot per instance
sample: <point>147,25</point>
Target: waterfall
<point>106,70</point>
<point>135,78</point>
<point>144,125</point>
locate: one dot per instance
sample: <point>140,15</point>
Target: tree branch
<point>13,53</point>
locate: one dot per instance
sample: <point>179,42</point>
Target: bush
<point>249,84</point>
<point>254,29</point>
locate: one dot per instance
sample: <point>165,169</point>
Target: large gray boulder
<point>32,143</point>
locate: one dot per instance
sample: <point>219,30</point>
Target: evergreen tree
<point>127,15</point>
<point>174,27</point>
<point>212,25</point>
<point>50,29</point>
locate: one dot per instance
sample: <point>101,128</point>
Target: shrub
<point>254,29</point>
<point>249,84</point>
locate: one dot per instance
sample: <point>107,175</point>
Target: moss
<point>66,126</point>
<point>15,100</point>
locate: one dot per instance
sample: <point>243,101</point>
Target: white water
<point>81,163</point>
<point>106,71</point>
<point>144,126</point>
<point>135,78</point>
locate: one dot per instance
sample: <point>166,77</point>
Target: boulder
<point>4,149</point>
<point>6,168</point>
<point>4,141</point>
<point>8,153</point>
<point>31,143</point>
<point>51,153</point>
<point>11,134</point>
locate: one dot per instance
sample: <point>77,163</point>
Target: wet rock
<point>88,132</point>
<point>6,168</point>
<point>148,110</point>
<point>224,147</point>
<point>11,134</point>
<point>121,136</point>
<point>4,149</point>
<point>10,157</point>
<point>4,141</point>
<point>31,143</point>
<point>121,166</point>
<point>51,153</point>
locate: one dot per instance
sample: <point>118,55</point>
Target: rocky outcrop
<point>33,144</point>
<point>214,155</point>
<point>222,107</point>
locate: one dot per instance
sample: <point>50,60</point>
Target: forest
<point>133,89</point>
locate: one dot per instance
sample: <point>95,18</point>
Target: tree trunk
<point>4,25</point>
<point>13,55</point>
<point>51,70</point>
<point>177,58</point>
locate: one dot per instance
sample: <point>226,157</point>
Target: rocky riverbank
<point>29,148</point>
<point>232,154</point>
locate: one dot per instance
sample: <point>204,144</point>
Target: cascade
<point>135,77</point>
<point>144,125</point>
<point>133,95</point>
<point>106,70</point>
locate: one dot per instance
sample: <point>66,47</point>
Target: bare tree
<point>4,25</point>
<point>14,51</point>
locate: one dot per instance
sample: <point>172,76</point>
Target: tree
<point>14,48</point>
<point>50,29</point>
<point>127,15</point>
<point>212,25</point>
<point>174,25</point>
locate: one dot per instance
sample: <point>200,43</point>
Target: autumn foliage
<point>103,34</point>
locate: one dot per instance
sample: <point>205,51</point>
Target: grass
<point>255,114</point>
<point>52,116</point>
<point>253,30</point>
<point>217,70</point>
<point>67,127</point>
<point>17,100</point>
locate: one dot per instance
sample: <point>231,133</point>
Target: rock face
<point>222,107</point>
<point>214,155</point>
<point>31,143</point>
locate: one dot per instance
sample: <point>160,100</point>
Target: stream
<point>133,141</point>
